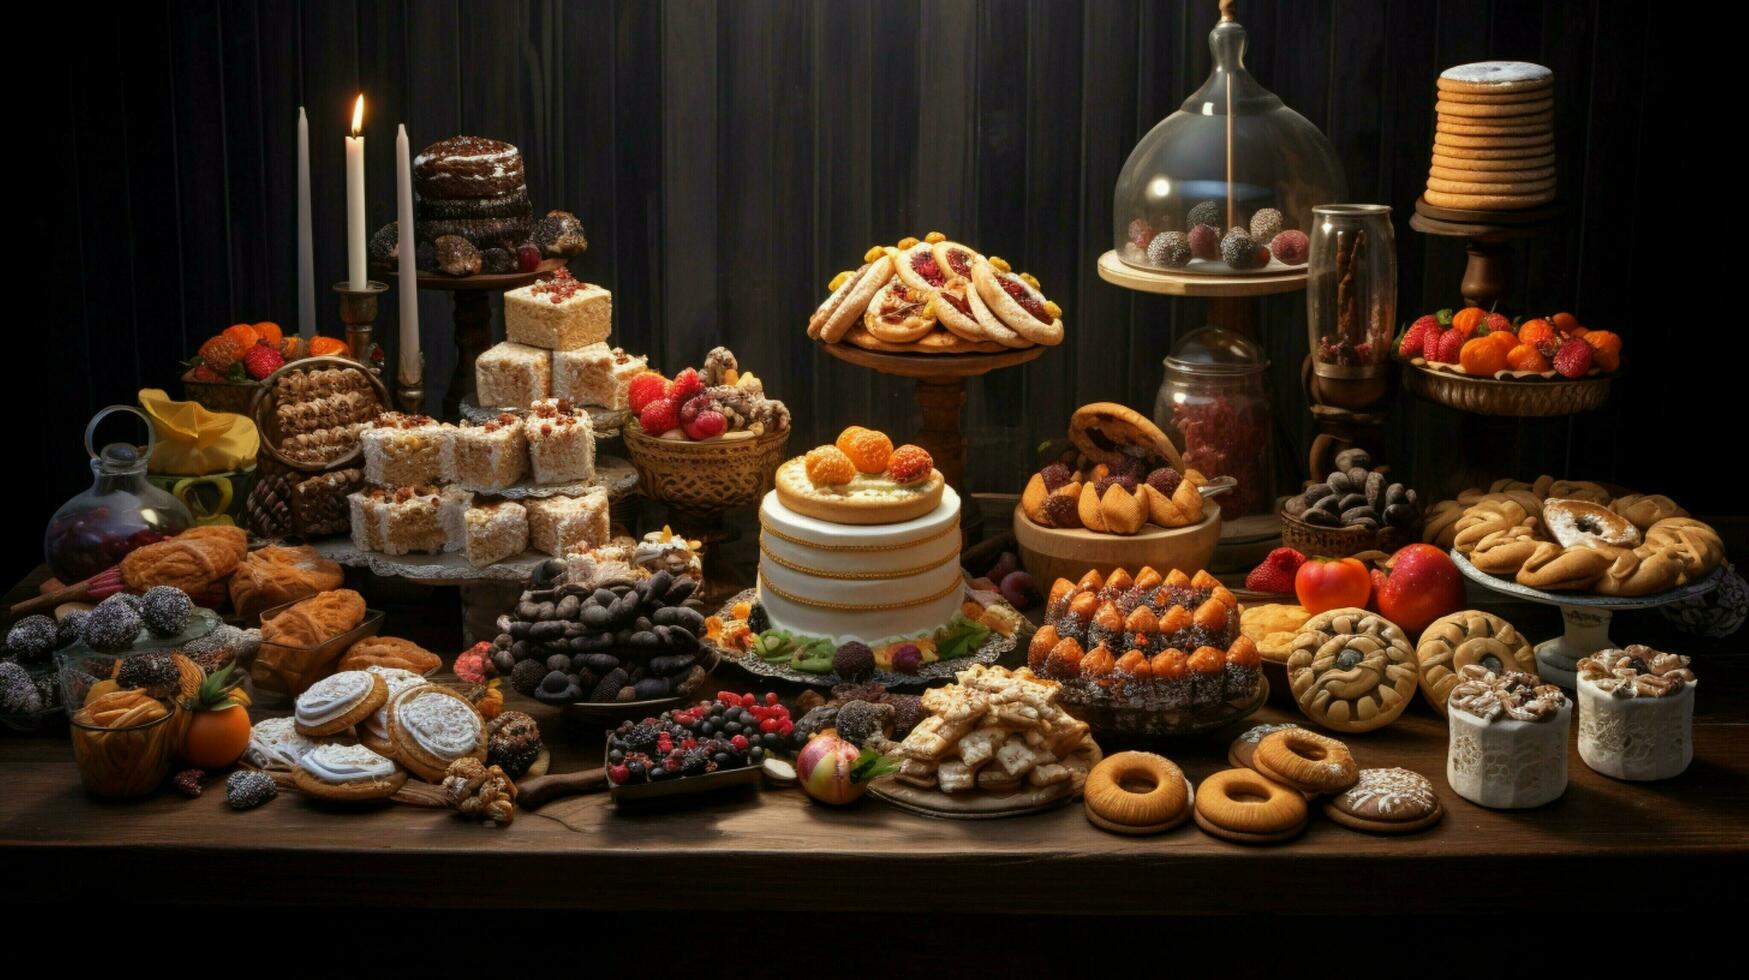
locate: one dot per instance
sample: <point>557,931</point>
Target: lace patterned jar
<point>1636,721</point>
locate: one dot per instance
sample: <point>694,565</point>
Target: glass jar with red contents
<point>1214,404</point>
<point>120,512</point>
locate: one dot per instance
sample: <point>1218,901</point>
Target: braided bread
<point>1468,637</point>
<point>1646,509</point>
<point>1352,670</point>
<point>1695,544</point>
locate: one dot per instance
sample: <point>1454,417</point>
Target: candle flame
<point>358,116</point>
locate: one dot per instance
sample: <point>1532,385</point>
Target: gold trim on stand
<point>952,527</point>
<point>957,583</point>
<point>853,576</point>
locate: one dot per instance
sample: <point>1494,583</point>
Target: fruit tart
<point>861,479</point>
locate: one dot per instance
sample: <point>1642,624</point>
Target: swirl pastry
<point>274,576</point>
<point>1456,641</point>
<point>192,561</point>
<point>1352,670</point>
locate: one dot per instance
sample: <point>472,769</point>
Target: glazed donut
<point>1646,509</point>
<point>1576,523</point>
<point>1137,793</point>
<point>1352,670</point>
<point>1695,544</point>
<point>1468,637</point>
<point>1311,763</point>
<point>1242,806</point>
<point>1553,568</point>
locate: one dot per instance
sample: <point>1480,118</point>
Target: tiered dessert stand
<point>1585,617</point>
<point>941,394</point>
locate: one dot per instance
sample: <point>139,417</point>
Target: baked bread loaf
<point>389,651</point>
<point>315,620</point>
<point>274,576</point>
<point>193,561</point>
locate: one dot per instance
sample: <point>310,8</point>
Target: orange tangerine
<point>1605,348</point>
<point>1525,357</point>
<point>1466,320</point>
<point>243,334</point>
<point>1504,338</point>
<point>1566,322</point>
<point>269,331</point>
<point>1481,357</point>
<point>1537,333</point>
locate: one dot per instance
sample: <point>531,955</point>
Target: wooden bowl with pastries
<point>1050,553</point>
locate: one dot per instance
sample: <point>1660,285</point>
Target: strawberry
<point>707,424</point>
<point>1573,360</point>
<point>644,389</point>
<point>207,374</point>
<point>1496,322</point>
<point>1450,343</point>
<point>1275,574</point>
<point>1415,338</point>
<point>686,384</point>
<point>659,416</point>
<point>262,360</point>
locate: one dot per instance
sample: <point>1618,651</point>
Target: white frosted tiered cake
<point>867,582</point>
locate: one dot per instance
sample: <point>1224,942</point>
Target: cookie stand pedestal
<point>1585,617</point>
<point>471,296</point>
<point>941,394</point>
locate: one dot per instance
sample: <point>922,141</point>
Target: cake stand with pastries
<point>1585,617</point>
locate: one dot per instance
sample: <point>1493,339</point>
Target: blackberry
<point>641,738</point>
<point>248,788</point>
<point>696,762</point>
<point>853,660</point>
<point>757,619</point>
<point>149,670</point>
<point>527,675</point>
<point>165,609</point>
<point>32,638</point>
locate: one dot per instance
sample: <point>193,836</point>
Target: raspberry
<point>659,416</point>
<point>686,384</point>
<point>619,774</point>
<point>1141,233</point>
<point>690,408</point>
<point>1205,242</point>
<point>739,742</point>
<point>828,466</point>
<point>708,425</point>
<point>867,448</point>
<point>1291,247</point>
<point>1573,360</point>
<point>644,389</point>
<point>910,464</point>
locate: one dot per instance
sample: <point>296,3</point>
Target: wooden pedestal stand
<point>471,296</point>
<point>941,394</point>
<point>1230,307</point>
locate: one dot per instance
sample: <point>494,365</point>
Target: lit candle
<point>409,267</point>
<point>355,254</point>
<point>306,250</point>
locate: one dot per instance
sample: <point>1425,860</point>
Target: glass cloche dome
<point>1233,158</point>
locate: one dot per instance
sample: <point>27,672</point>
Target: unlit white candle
<point>306,249</point>
<point>409,267</point>
<point>355,254</point>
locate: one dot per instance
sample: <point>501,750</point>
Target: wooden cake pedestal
<point>1488,276</point>
<point>941,394</point>
<point>472,311</point>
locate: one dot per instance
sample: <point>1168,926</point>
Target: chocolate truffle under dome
<point>1230,152</point>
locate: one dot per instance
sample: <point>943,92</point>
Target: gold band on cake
<point>766,586</point>
<point>855,576</point>
<point>862,548</point>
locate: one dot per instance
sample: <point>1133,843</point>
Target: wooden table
<point>1603,838</point>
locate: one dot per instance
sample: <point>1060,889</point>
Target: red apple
<point>1323,585</point>
<point>1423,585</point>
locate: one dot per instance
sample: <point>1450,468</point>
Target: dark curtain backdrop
<point>727,158</point>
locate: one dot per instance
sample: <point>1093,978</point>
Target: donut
<point>1352,670</point>
<point>1306,761</point>
<point>1386,801</point>
<point>1575,523</point>
<point>1470,636</point>
<point>1137,793</point>
<point>1244,748</point>
<point>1242,806</point>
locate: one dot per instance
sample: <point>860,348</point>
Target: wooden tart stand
<point>1229,306</point>
<point>1488,276</point>
<point>941,394</point>
<point>471,300</point>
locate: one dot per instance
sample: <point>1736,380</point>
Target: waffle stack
<point>1494,141</point>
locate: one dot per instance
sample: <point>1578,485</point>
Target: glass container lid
<point>1233,157</point>
<point>1216,351</point>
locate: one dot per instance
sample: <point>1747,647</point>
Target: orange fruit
<point>1537,333</point>
<point>269,331</point>
<point>219,353</point>
<point>1566,322</point>
<point>1481,357</point>
<point>329,347</point>
<point>243,334</point>
<point>1504,338</point>
<point>216,739</point>
<point>1605,348</point>
<point>867,448</point>
<point>1466,320</point>
<point>1525,357</point>
<point>828,466</point>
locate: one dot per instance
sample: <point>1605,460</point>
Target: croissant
<point>274,576</point>
<point>192,561</point>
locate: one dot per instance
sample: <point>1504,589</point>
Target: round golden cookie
<point>899,313</point>
<point>1465,160</point>
<point>1244,748</point>
<point>1471,187</point>
<point>1499,176</point>
<point>1102,430</point>
<point>368,701</point>
<point>367,775</point>
<point>1487,202</point>
<point>404,731</point>
<point>1495,77</point>
<point>1311,763</point>
<point>1137,793</point>
<point>1470,636</point>
<point>1531,126</point>
<point>939,342</point>
<point>845,307</point>
<point>1493,110</point>
<point>1386,801</point>
<point>1534,142</point>
<point>1244,807</point>
<point>1494,98</point>
<point>1352,670</point>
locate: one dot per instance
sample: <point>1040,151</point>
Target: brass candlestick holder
<point>358,310</point>
<point>410,387</point>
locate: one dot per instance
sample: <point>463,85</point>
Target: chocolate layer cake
<point>512,205</point>
<point>467,167</point>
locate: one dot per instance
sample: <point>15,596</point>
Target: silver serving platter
<point>605,421</point>
<point>1585,600</point>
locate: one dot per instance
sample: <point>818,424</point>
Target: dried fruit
<point>1481,357</point>
<point>329,347</point>
<point>707,425</point>
<point>1605,348</point>
<point>910,464</point>
<point>1526,357</point>
<point>868,449</point>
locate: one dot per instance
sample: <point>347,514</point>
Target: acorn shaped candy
<point>1118,581</point>
<point>1098,663</point>
<point>1092,580</point>
<point>1064,659</point>
<point>1039,649</point>
<point>1148,579</point>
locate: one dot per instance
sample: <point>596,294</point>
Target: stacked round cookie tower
<point>1493,142</point>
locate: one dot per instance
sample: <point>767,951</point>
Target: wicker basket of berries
<point>707,441</point>
<point>226,372</point>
